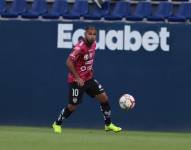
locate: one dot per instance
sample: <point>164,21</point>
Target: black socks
<point>106,110</point>
<point>65,113</point>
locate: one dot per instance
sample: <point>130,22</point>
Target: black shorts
<point>92,87</point>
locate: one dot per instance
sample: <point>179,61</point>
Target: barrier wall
<point>150,61</point>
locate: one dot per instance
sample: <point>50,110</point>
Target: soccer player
<point>81,80</point>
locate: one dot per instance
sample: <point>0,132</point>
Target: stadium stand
<point>39,8</point>
<point>98,13</point>
<point>164,10</point>
<point>59,8</point>
<point>121,10</point>
<point>2,7</point>
<point>99,2</point>
<point>143,10</point>
<point>130,10</point>
<point>17,8</point>
<point>79,9</point>
<point>183,13</point>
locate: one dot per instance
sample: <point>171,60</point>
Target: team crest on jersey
<point>86,57</point>
<point>74,99</point>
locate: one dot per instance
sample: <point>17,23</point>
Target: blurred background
<point>143,49</point>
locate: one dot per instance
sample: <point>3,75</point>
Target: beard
<point>90,42</point>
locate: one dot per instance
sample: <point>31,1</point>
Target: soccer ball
<point>126,102</point>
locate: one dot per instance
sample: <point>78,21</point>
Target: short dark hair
<point>90,28</point>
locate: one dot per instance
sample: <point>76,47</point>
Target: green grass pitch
<point>32,138</point>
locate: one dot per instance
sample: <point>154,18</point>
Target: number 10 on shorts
<point>75,92</point>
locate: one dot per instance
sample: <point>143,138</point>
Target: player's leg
<point>105,107</point>
<point>64,114</point>
<point>75,98</point>
<point>106,110</point>
<point>96,90</point>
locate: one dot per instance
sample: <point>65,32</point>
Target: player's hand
<point>80,82</point>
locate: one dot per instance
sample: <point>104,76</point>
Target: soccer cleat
<point>112,127</point>
<point>57,128</point>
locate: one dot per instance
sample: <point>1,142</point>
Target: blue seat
<point>183,13</point>
<point>79,9</point>
<point>164,10</point>
<point>97,13</point>
<point>143,10</point>
<point>2,6</point>
<point>59,8</point>
<point>39,8</point>
<point>121,10</point>
<point>17,8</point>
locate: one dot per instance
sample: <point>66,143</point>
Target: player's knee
<point>72,107</point>
<point>103,97</point>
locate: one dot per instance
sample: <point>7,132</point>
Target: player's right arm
<point>71,67</point>
<point>70,64</point>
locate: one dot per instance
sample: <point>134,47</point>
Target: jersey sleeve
<point>76,51</point>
